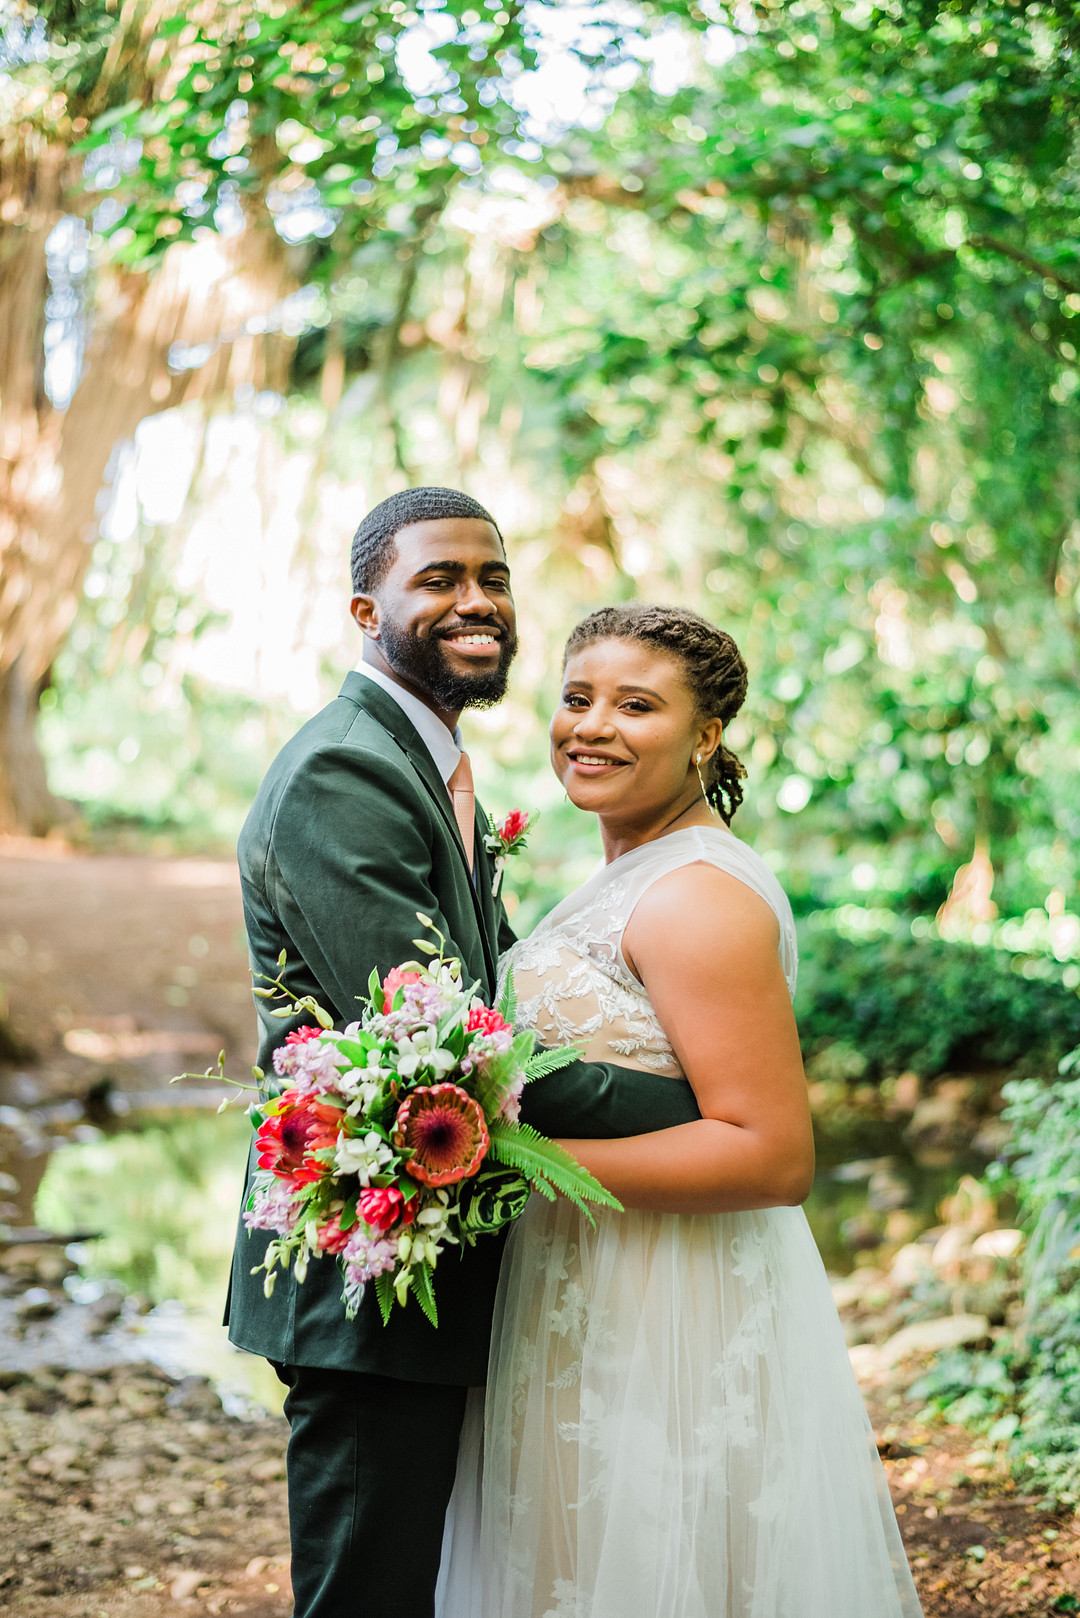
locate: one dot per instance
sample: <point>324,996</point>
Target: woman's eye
<point>635,705</point>
<point>574,699</point>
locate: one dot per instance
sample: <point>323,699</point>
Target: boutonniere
<point>508,837</point>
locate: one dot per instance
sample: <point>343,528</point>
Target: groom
<point>366,817</point>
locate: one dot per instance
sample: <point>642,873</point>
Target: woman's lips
<point>593,764</point>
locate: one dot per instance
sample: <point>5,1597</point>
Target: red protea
<point>394,980</point>
<point>444,1128</point>
<point>299,1126</point>
<point>382,1206</point>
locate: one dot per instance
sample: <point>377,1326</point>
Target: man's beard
<point>423,664</point>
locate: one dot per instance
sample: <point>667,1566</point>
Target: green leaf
<point>544,1062</point>
<point>508,1003</point>
<point>384,1292</point>
<point>374,987</point>
<point>547,1164</point>
<point>425,1293</point>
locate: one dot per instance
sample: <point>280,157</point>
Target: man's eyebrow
<point>458,568</point>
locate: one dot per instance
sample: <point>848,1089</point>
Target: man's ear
<point>365,610</point>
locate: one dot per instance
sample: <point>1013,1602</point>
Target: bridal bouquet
<point>398,1136</point>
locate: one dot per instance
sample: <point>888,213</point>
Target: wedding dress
<point>671,1426</point>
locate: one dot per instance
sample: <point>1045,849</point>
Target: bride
<point>671,1427</point>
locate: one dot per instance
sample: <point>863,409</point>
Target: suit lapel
<point>393,719</point>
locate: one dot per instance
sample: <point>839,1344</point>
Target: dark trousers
<point>370,1466</point>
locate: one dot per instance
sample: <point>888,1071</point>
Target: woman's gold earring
<point>701,778</point>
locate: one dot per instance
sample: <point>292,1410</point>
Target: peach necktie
<point>460,787</point>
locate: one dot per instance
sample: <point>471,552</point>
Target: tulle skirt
<point>671,1429</point>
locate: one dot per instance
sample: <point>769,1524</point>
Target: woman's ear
<point>711,733</point>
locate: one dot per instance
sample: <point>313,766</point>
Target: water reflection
<point>163,1192</point>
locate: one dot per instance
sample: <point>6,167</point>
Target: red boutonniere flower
<point>508,837</point>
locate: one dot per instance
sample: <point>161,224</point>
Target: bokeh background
<point>769,310</point>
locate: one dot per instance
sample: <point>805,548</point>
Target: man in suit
<point>366,817</point>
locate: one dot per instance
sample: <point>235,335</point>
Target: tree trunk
<point>26,804</point>
<point>52,462</point>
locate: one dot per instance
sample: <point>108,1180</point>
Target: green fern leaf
<point>548,1165</point>
<point>384,1292</point>
<point>425,1294</point>
<point>509,1003</point>
<point>545,1062</point>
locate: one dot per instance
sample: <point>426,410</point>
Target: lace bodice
<point>572,983</point>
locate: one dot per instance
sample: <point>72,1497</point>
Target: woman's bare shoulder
<point>697,902</point>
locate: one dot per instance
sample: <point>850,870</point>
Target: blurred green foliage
<point>887,1005</point>
<point>164,1196</point>
<point>790,335</point>
<point>1043,1168</point>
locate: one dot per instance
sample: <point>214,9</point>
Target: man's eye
<point>497,584</point>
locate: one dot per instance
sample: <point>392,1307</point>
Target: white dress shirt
<point>445,749</point>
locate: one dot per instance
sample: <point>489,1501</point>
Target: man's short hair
<point>373,542</point>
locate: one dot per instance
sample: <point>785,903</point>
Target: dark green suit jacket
<point>353,832</point>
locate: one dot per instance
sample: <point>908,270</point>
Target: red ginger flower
<point>513,827</point>
<point>394,980</point>
<point>332,1239</point>
<point>382,1206</point>
<point>300,1126</point>
<point>300,1036</point>
<point>444,1128</point>
<point>483,1021</point>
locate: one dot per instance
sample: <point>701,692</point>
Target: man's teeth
<point>473,640</point>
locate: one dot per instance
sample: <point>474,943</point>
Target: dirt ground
<point>128,1495</point>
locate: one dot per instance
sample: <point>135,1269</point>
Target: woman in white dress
<point>671,1427</point>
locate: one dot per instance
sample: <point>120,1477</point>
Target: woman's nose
<point>593,724</point>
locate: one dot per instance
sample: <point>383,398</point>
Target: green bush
<point>1044,1171</point>
<point>875,1008</point>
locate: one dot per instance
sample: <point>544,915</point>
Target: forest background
<point>771,310</point>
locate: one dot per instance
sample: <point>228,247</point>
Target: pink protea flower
<point>382,1206</point>
<point>444,1128</point>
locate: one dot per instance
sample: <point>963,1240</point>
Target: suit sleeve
<point>601,1101</point>
<point>351,865</point>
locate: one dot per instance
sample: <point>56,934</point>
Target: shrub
<point>1045,1173</point>
<point>876,1008</point>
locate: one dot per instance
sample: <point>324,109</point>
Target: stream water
<point>157,1190</point>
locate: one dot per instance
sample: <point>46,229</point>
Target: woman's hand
<point>704,946</point>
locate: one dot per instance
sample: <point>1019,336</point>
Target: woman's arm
<point>705,947</point>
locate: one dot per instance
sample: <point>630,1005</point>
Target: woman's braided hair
<point>714,669</point>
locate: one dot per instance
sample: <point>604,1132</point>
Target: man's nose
<point>473,602</point>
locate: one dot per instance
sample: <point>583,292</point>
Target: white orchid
<point>362,1155</point>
